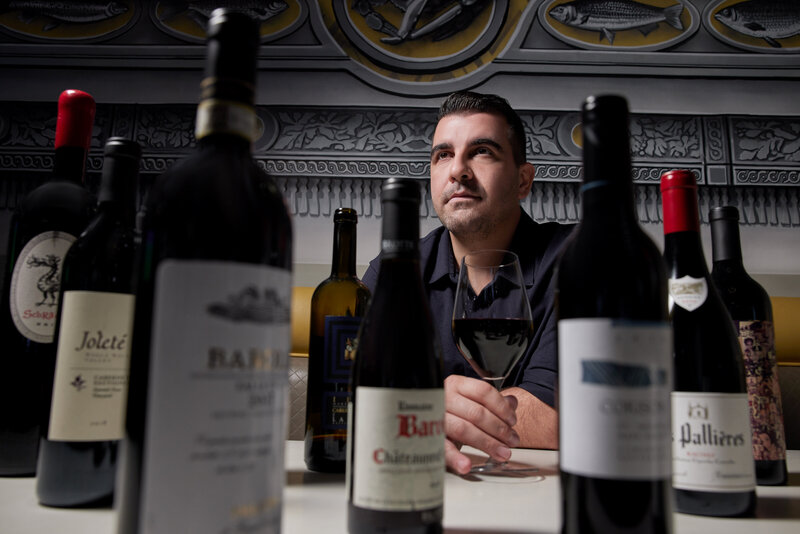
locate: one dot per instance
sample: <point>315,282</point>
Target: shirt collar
<point>523,244</point>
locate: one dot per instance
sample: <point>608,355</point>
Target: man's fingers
<point>464,431</point>
<point>481,393</point>
<point>455,460</point>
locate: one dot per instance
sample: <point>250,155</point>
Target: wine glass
<point>492,322</point>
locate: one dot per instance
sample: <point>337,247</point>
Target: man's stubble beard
<point>466,225</point>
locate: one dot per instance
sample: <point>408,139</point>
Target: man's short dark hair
<point>465,102</point>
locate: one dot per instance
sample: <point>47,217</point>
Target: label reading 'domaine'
<point>711,445</point>
<point>614,383</point>
<point>35,284</point>
<point>216,408</point>
<point>92,360</point>
<point>398,449</point>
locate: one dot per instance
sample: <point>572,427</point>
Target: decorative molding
<point>761,176</point>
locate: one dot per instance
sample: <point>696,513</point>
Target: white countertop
<point>315,502</point>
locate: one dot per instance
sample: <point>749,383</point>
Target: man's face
<point>475,183</point>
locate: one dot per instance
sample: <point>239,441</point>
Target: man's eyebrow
<point>440,146</point>
<point>475,142</point>
<point>486,141</point>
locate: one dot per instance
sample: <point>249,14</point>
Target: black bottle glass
<point>751,311</point>
<point>713,467</point>
<point>44,225</point>
<point>206,415</point>
<point>337,306</point>
<point>397,404</point>
<point>81,430</point>
<point>614,347</point>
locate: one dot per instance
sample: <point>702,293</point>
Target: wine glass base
<point>506,469</point>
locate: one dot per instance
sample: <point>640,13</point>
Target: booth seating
<point>786,311</point>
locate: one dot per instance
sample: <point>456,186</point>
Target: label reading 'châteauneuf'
<point>614,395</point>
<point>35,284</point>
<point>687,292</point>
<point>711,445</point>
<point>757,339</point>
<point>217,396</point>
<point>398,449</point>
<point>338,354</point>
<point>90,388</point>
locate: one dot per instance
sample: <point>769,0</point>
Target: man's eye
<point>441,155</point>
<point>482,150</point>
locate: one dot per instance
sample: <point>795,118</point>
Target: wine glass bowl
<point>492,323</point>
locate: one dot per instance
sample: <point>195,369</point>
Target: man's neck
<point>499,238</point>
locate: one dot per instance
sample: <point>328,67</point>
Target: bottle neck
<point>725,240</point>
<point>683,248</point>
<point>70,163</point>
<point>344,250</point>
<point>117,194</point>
<point>400,231</point>
<point>225,121</point>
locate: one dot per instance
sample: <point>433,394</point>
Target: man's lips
<point>463,196</point>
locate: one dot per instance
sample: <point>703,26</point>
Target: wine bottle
<point>206,415</point>
<point>614,346</point>
<point>713,467</point>
<point>337,305</point>
<point>78,450</point>
<point>751,310</point>
<point>43,227</point>
<point>395,468</point>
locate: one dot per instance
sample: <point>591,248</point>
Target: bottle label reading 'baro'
<point>687,292</point>
<point>398,449</point>
<point>711,445</point>
<point>35,285</point>
<point>338,354</point>
<point>90,387</point>
<point>217,396</point>
<point>757,340</point>
<point>615,382</point>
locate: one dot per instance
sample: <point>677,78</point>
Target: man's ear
<point>526,173</point>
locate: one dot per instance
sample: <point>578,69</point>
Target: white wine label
<point>90,387</point>
<point>687,292</point>
<point>35,285</point>
<point>220,116</point>
<point>614,398</point>
<point>216,407</point>
<point>398,449</point>
<point>711,443</point>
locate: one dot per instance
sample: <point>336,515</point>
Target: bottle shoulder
<point>57,204</point>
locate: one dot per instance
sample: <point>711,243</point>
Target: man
<point>478,178</point>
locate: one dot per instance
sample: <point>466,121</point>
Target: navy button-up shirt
<point>538,246</point>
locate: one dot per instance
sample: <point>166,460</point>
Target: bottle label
<point>217,398</point>
<point>398,449</point>
<point>90,386</point>
<point>711,445</point>
<point>221,116</point>
<point>757,340</point>
<point>614,383</point>
<point>36,283</point>
<point>687,292</point>
<point>338,355</point>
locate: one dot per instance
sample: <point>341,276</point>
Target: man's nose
<point>460,170</point>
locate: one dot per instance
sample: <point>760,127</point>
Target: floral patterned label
<point>757,340</point>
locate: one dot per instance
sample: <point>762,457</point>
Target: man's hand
<point>476,414</point>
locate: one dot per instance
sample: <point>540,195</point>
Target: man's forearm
<point>537,423</point>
